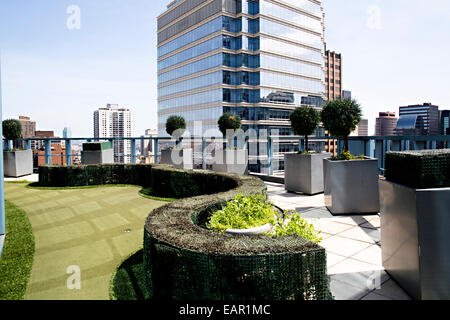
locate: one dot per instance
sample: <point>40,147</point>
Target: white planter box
<point>351,187</point>
<point>17,163</point>
<point>231,161</point>
<point>179,158</point>
<point>415,239</point>
<point>304,172</point>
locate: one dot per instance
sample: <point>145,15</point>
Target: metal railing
<point>267,155</point>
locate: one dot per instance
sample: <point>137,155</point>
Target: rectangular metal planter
<point>304,172</point>
<point>179,158</point>
<point>415,239</point>
<point>351,187</point>
<point>18,163</point>
<point>231,161</point>
<point>97,157</point>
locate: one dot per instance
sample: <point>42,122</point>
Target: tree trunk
<point>346,144</point>
<point>306,144</point>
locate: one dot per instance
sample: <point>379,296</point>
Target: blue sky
<point>395,53</point>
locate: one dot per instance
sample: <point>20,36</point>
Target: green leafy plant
<point>304,121</point>
<point>12,129</point>
<point>340,118</point>
<point>347,156</point>
<point>244,212</point>
<point>295,224</point>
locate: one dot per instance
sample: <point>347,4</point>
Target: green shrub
<point>12,129</point>
<point>229,121</point>
<point>347,156</point>
<point>244,213</point>
<point>304,121</point>
<point>296,225</point>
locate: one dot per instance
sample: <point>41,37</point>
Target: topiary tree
<point>340,118</point>
<point>175,125</point>
<point>304,121</point>
<point>227,122</point>
<point>12,129</point>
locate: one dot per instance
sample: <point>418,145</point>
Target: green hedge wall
<point>185,261</point>
<point>419,169</point>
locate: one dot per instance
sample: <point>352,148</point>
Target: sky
<point>58,72</point>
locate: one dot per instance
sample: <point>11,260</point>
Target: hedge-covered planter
<point>185,261</point>
<point>419,169</point>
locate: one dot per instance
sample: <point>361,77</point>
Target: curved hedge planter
<point>185,261</point>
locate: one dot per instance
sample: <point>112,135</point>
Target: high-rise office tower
<point>362,129</point>
<point>418,120</point>
<point>445,122</point>
<point>333,75</point>
<point>113,122</point>
<point>255,59</point>
<point>67,133</point>
<point>385,124</point>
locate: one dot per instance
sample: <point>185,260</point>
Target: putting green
<point>93,229</point>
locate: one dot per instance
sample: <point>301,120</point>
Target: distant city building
<point>418,120</point>
<point>67,133</point>
<point>113,122</point>
<point>362,129</point>
<point>58,156</point>
<point>346,94</point>
<point>28,130</point>
<point>445,122</point>
<point>39,144</point>
<point>148,146</point>
<point>333,75</point>
<point>385,124</point>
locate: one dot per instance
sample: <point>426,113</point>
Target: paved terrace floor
<point>353,248</point>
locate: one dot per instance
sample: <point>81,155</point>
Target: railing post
<point>48,151</point>
<point>156,151</point>
<point>69,152</point>
<point>26,144</point>
<point>2,182</point>
<point>270,156</point>
<point>133,150</point>
<point>433,145</point>
<point>204,153</point>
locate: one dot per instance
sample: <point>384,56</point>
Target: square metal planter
<point>351,187</point>
<point>178,158</point>
<point>18,163</point>
<point>97,157</point>
<point>415,239</point>
<point>304,172</point>
<point>231,161</point>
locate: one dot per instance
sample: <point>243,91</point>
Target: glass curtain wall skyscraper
<point>256,59</point>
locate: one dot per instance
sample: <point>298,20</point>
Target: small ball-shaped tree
<point>175,127</point>
<point>12,129</point>
<point>304,121</point>
<point>228,122</point>
<point>340,118</point>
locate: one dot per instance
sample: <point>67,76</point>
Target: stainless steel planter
<point>231,161</point>
<point>304,172</point>
<point>97,156</point>
<point>351,187</point>
<point>18,163</point>
<point>415,239</point>
<point>179,158</point>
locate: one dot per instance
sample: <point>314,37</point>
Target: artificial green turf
<point>17,256</point>
<point>128,282</point>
